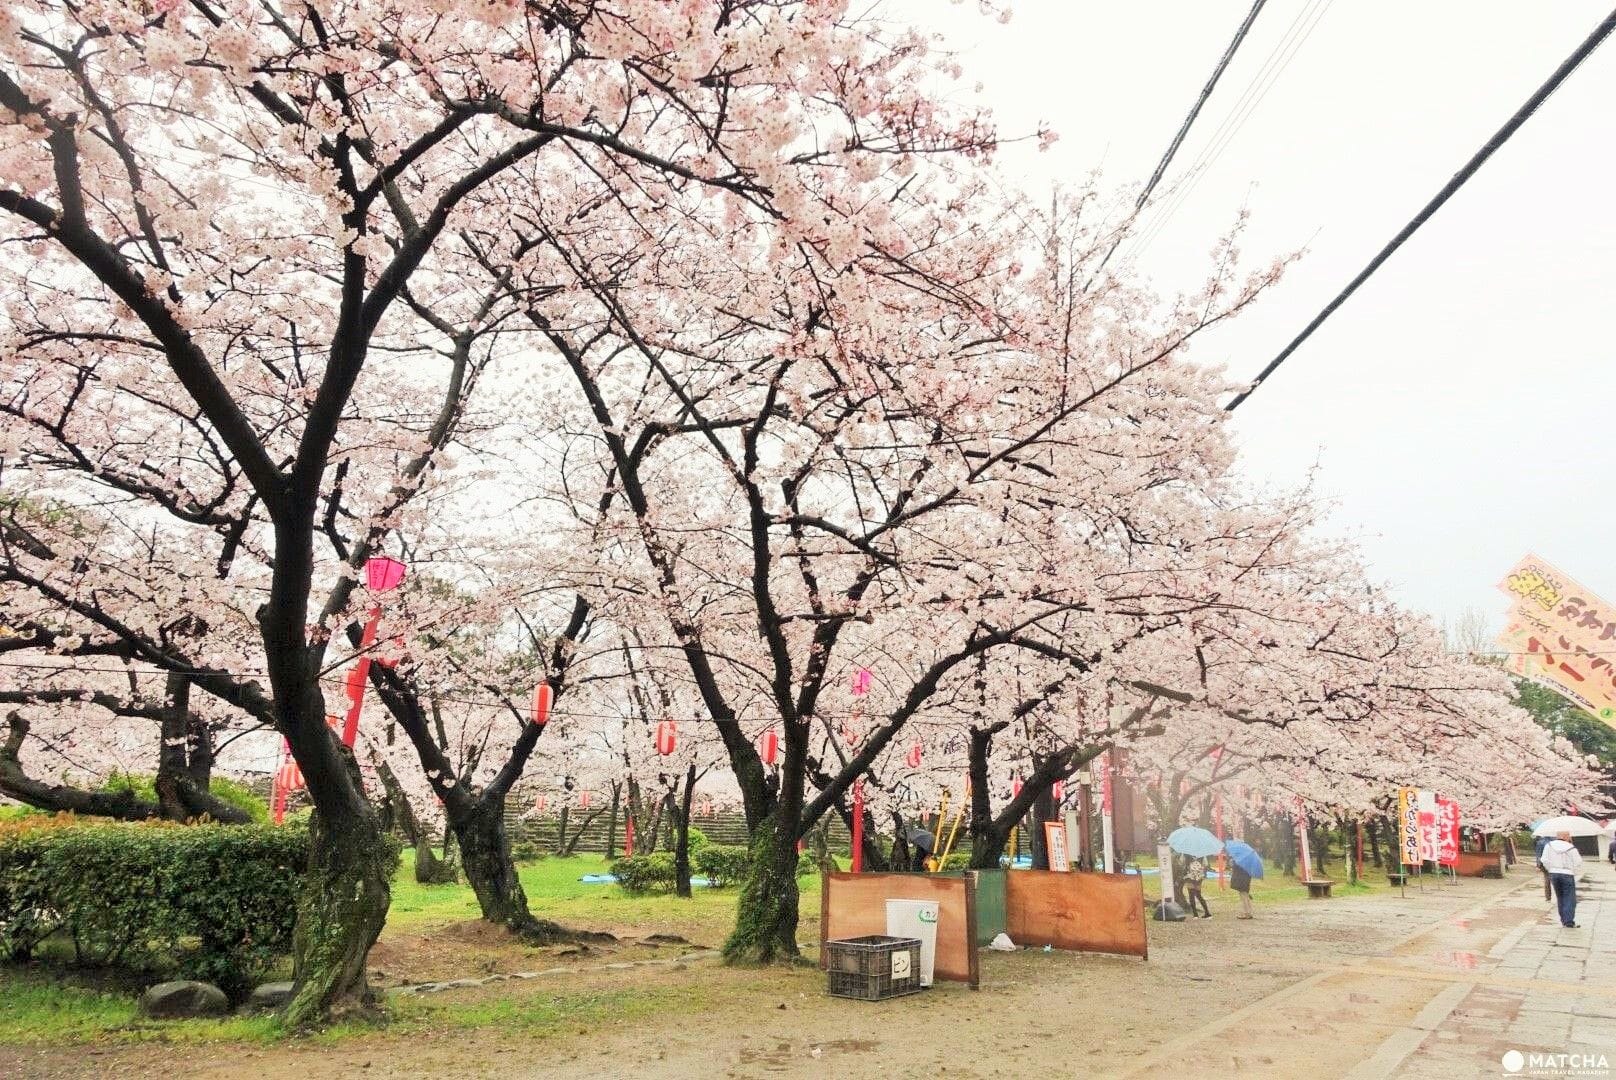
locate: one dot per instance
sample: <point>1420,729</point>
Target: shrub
<point>645,873</point>
<point>526,851</point>
<point>696,839</point>
<point>722,864</point>
<point>212,902</point>
<point>956,860</point>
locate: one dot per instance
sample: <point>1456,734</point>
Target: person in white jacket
<point>1561,861</point>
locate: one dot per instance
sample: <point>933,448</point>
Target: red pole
<point>858,826</point>
<point>628,837</point>
<point>358,677</point>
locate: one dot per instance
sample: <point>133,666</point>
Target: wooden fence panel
<point>1085,912</point>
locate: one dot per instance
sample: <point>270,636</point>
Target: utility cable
<point>1184,128</point>
<point>1296,35</point>
<point>1195,110</point>
<point>1533,103</point>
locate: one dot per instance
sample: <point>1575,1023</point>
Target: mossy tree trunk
<point>766,914</point>
<point>343,903</point>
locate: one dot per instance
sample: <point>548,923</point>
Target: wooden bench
<point>1318,889</point>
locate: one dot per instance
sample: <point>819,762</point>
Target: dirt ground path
<point>1311,987</point>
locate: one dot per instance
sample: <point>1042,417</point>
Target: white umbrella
<point>1576,826</point>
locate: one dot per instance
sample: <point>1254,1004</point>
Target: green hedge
<point>213,902</point>
<point>645,873</point>
<point>723,864</point>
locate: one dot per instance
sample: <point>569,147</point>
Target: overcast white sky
<point>1462,406</point>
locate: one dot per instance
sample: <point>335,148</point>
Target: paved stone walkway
<point>1543,990</point>
<point>1450,1000</point>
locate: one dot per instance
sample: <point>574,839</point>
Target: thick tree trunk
<point>485,856</point>
<point>901,857</point>
<point>655,827</point>
<point>766,916</point>
<point>341,910</point>
<point>198,752</point>
<point>561,831</point>
<point>1043,809</point>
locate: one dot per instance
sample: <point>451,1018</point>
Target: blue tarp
<point>611,879</point>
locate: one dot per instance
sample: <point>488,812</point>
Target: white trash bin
<point>916,919</point>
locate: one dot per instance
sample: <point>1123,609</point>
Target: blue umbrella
<point>1194,842</point>
<point>1245,857</point>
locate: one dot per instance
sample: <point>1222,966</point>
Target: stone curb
<point>624,965</point>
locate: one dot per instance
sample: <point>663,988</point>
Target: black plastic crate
<point>874,967</point>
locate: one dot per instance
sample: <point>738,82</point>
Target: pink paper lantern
<point>861,681</point>
<point>542,696</point>
<point>583,800</point>
<point>540,803</point>
<point>1060,792</point>
<point>383,574</point>
<point>667,737</point>
<point>1015,787</point>
<point>912,758</point>
<point>769,746</point>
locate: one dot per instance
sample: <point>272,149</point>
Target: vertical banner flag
<point>1447,822</point>
<point>1427,804</point>
<point>1408,825</point>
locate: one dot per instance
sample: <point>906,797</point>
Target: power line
<point>1195,110</point>
<point>1278,60</point>
<point>1522,114</point>
<point>1184,128</point>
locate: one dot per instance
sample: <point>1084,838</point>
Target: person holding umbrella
<point>1194,875</point>
<point>1247,865</point>
<point>1561,861</point>
<point>1197,844</point>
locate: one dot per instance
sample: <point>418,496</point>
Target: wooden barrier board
<point>1084,912</point>
<point>1480,864</point>
<point>852,905</point>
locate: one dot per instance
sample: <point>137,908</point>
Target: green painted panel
<point>989,905</point>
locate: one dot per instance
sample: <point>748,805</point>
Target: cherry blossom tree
<point>821,429</point>
<point>278,206</point>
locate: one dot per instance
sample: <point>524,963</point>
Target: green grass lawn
<point>1275,887</point>
<point>554,892</point>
